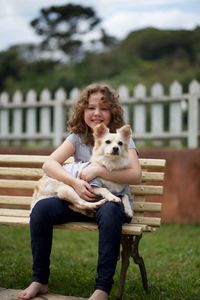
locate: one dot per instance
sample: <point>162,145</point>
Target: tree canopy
<point>65,28</point>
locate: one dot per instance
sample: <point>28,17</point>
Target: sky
<point>119,17</point>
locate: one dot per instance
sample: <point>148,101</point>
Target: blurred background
<point>147,50</point>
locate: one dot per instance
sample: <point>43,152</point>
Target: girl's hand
<point>90,172</point>
<point>84,190</point>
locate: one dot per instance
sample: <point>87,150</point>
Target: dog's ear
<point>100,130</point>
<point>125,131</point>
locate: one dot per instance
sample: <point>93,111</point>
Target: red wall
<point>181,200</point>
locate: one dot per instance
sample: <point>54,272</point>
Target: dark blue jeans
<point>52,211</point>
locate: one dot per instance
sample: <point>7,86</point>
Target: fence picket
<point>175,113</point>
<point>45,117</point>
<point>59,114</point>
<point>17,128</point>
<point>31,116</point>
<point>194,112</point>
<point>4,118</point>
<point>124,95</point>
<point>157,117</point>
<point>139,114</point>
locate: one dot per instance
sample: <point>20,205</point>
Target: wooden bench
<point>19,173</point>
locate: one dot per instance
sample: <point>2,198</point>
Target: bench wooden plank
<point>23,213</point>
<point>21,172</point>
<point>16,200</point>
<point>133,229</point>
<point>36,173</point>
<point>147,206</point>
<point>25,201</point>
<point>151,162</point>
<point>30,184</point>
<point>40,159</point>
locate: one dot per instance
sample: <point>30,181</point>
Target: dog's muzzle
<point>115,151</point>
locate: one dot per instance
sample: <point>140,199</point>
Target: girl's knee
<point>110,211</point>
<point>42,210</point>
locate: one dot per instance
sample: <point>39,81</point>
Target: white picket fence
<point>157,119</point>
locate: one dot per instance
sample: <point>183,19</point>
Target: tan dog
<point>111,151</point>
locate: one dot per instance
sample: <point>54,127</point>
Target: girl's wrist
<point>102,171</point>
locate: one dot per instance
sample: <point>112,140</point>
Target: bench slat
<point>152,176</point>
<point>30,184</point>
<point>131,229</point>
<point>151,163</point>
<point>14,212</point>
<point>25,201</point>
<point>36,173</point>
<point>126,229</point>
<point>15,200</point>
<point>18,184</point>
<point>20,213</point>
<point>21,172</point>
<point>146,190</point>
<point>147,206</point>
<point>152,221</point>
<point>40,159</point>
<point>12,159</point>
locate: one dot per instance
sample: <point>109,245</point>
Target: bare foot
<point>32,290</point>
<point>99,295</point>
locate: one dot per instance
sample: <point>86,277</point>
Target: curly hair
<point>76,123</point>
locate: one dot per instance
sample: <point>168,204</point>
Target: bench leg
<point>130,248</point>
<point>139,261</point>
<point>125,256</point>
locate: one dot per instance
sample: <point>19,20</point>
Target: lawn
<point>172,258</point>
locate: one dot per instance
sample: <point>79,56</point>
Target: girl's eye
<point>90,107</point>
<point>107,141</point>
<point>120,143</point>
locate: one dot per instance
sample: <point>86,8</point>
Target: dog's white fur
<point>111,151</point>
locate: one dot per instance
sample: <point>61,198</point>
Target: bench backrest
<point>19,174</point>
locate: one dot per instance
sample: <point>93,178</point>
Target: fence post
<point>4,118</point>
<point>157,116</point>
<point>139,114</point>
<point>17,124</point>
<point>45,118</point>
<point>31,116</point>
<point>175,113</point>
<point>124,96</point>
<point>59,110</point>
<point>193,114</point>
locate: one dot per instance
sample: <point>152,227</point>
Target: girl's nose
<point>97,111</point>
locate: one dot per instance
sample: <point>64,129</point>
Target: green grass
<point>172,258</point>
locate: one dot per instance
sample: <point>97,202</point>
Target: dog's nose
<point>115,150</point>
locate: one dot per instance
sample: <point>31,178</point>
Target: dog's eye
<point>120,143</point>
<point>107,141</point>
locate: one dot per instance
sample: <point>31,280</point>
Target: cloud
<point>121,23</point>
<point>119,16</point>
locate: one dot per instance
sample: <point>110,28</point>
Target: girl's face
<point>98,110</point>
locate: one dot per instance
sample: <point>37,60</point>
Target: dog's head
<point>112,146</point>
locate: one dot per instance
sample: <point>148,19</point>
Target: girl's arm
<point>53,168</point>
<point>131,175</point>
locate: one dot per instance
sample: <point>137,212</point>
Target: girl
<point>97,103</point>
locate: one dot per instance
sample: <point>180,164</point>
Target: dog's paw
<point>113,198</point>
<point>93,205</point>
<point>129,214</point>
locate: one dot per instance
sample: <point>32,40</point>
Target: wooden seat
<point>19,174</point>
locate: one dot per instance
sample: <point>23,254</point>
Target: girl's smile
<point>98,110</point>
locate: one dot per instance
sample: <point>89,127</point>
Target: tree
<point>63,28</point>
